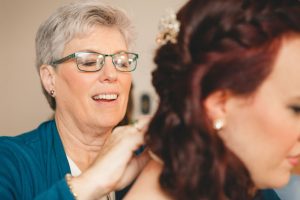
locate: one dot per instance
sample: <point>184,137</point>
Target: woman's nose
<point>108,72</point>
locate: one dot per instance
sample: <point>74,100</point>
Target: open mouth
<point>105,97</point>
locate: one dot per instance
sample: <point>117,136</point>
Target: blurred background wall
<point>22,105</point>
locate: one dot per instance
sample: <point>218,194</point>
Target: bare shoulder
<point>146,186</point>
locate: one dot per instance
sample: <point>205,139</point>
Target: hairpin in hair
<point>168,29</point>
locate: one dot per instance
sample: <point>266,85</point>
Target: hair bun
<point>170,69</point>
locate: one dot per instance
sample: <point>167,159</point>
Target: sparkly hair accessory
<point>168,29</point>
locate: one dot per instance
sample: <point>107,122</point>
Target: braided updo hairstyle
<point>222,45</point>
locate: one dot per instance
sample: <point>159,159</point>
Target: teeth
<point>106,96</point>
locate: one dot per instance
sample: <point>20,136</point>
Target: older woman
<point>85,66</point>
<point>228,122</point>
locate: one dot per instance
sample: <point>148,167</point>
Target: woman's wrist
<point>68,178</point>
<point>84,188</point>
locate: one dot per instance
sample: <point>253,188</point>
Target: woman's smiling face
<point>99,99</point>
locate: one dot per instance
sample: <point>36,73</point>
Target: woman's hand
<point>116,165</point>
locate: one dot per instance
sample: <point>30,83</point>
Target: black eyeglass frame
<point>74,55</point>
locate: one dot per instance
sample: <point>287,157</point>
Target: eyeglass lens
<point>123,61</point>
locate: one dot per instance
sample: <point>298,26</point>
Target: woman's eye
<point>122,63</point>
<point>90,63</point>
<point>295,109</point>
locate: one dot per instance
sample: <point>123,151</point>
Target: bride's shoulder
<point>147,185</point>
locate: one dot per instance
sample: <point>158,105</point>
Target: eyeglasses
<point>92,61</point>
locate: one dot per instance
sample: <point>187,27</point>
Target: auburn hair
<point>222,44</point>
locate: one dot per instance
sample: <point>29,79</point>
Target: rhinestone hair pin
<point>168,29</point>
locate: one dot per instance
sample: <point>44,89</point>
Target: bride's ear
<point>215,105</point>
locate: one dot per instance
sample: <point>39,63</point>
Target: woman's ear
<point>47,74</point>
<point>215,105</point>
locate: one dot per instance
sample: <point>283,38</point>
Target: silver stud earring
<point>52,93</point>
<point>218,124</point>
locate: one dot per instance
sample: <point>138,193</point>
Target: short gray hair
<point>72,20</point>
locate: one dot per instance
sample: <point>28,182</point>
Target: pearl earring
<point>219,124</point>
<point>52,93</point>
